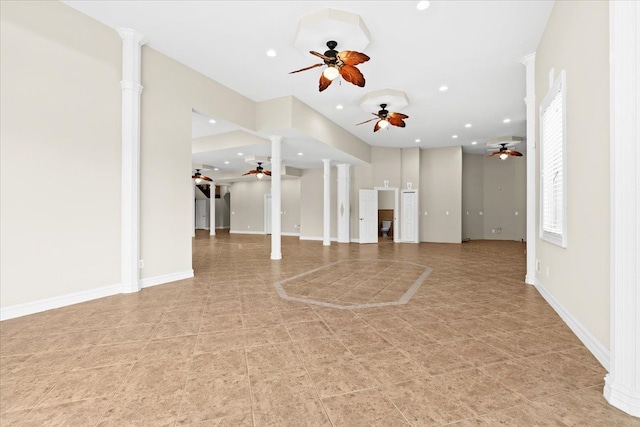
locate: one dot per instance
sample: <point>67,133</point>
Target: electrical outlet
<point>547,271</point>
<point>141,263</point>
<point>538,266</point>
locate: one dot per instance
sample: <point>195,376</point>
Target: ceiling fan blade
<point>324,82</point>
<point>514,153</point>
<point>206,178</point>
<point>307,68</point>
<point>319,55</point>
<point>268,173</point>
<point>367,121</point>
<point>251,172</point>
<point>351,57</point>
<point>377,127</point>
<point>492,154</point>
<point>352,75</point>
<point>396,119</point>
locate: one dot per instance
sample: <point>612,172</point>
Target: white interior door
<point>267,214</point>
<point>201,214</point>
<point>409,221</point>
<point>368,214</point>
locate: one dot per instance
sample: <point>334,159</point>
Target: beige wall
<point>312,204</point>
<point>60,87</point>
<point>410,167</point>
<point>441,191</point>
<point>472,196</point>
<point>577,40</point>
<point>247,205</point>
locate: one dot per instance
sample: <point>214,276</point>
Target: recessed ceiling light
<point>506,121</point>
<point>474,142</point>
<point>444,88</point>
<point>216,169</point>
<point>240,154</point>
<point>418,140</point>
<point>226,162</point>
<point>454,136</point>
<point>468,125</point>
<point>339,107</point>
<point>212,121</point>
<point>422,5</point>
<point>271,53</point>
<point>300,154</point>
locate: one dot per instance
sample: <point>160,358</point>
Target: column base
<point>276,257</point>
<point>622,397</point>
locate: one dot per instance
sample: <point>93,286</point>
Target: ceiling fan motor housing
<point>332,53</point>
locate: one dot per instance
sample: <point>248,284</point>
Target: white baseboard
<point>222,228</point>
<point>165,278</point>
<point>588,339</point>
<point>24,309</point>
<point>318,239</point>
<point>290,234</point>
<point>246,232</point>
<point>621,396</point>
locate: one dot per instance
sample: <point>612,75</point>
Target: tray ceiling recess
<point>508,141</point>
<point>346,28</point>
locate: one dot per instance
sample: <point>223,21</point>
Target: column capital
<point>276,138</point>
<point>133,35</point>
<point>528,60</point>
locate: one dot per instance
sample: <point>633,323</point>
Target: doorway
<point>368,214</point>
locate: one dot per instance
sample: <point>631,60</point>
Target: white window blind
<point>553,143</point>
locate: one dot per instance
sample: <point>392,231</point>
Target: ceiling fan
<point>198,177</point>
<point>259,172</point>
<point>504,152</point>
<point>338,64</point>
<point>385,118</point>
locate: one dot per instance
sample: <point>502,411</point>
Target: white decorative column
<point>212,209</point>
<point>344,207</point>
<point>276,197</point>
<point>326,212</point>
<point>529,61</point>
<point>132,42</point>
<point>622,384</point>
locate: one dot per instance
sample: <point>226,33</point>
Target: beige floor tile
<point>321,351</point>
<point>308,414</point>
<point>245,420</point>
<point>390,367</point>
<point>211,397</point>
<point>88,383</point>
<point>347,326</point>
<point>80,413</point>
<point>176,348</point>
<point>22,393</point>
<point>129,333</point>
<point>220,363</point>
<point>263,336</point>
<point>115,354</point>
<point>300,315</point>
<point>435,359</point>
<point>364,408</point>
<point>272,357</point>
<point>219,341</point>
<point>406,337</point>
<point>219,323</point>
<point>340,376</point>
<point>427,402</point>
<point>308,330</point>
<point>365,343</point>
<point>175,329</point>
<point>476,352</point>
<point>276,388</point>
<point>260,320</point>
<point>12,419</point>
<point>49,363</point>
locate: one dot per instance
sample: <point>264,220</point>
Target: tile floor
<point>474,346</point>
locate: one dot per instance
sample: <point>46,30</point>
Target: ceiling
<point>472,47</point>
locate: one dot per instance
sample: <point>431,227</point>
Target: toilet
<point>386,225</point>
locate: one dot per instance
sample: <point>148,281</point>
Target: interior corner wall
<point>223,208</point>
<point>473,196</point>
<point>312,204</point>
<point>60,114</point>
<point>441,195</point>
<point>576,39</point>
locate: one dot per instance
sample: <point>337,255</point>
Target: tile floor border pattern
<point>403,300</point>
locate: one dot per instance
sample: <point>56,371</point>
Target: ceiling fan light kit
<point>503,145</point>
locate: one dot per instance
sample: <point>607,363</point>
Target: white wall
<point>576,39</point>
<point>60,116</point>
<point>473,196</point>
<point>441,192</point>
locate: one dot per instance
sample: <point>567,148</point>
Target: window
<point>553,137</point>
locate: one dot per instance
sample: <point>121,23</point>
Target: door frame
<point>396,211</point>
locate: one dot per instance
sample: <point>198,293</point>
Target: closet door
<point>368,210</point>
<point>409,223</point>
